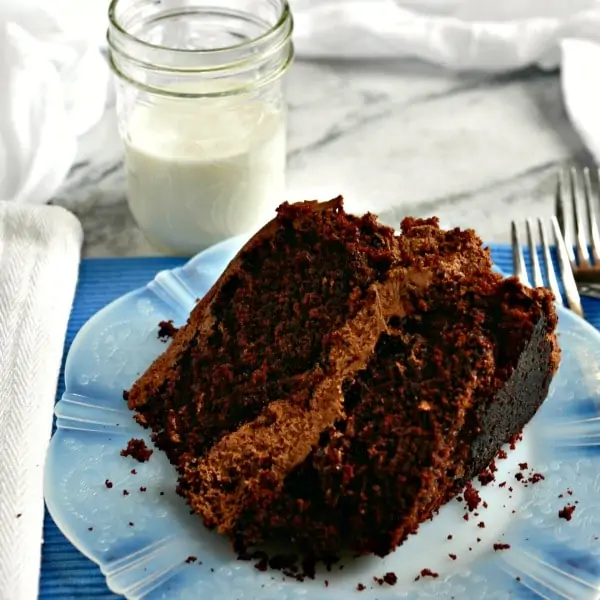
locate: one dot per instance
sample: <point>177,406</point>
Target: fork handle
<point>587,276</point>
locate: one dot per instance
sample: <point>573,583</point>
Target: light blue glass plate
<point>141,540</point>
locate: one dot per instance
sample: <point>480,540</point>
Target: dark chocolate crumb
<point>190,559</point>
<point>486,476</point>
<point>566,512</point>
<point>481,525</point>
<point>108,483</point>
<point>452,556</point>
<point>472,497</point>
<point>360,587</point>
<point>429,573</point>
<point>90,529</point>
<point>131,523</point>
<point>133,472</point>
<point>19,515</point>
<point>142,489</point>
<point>263,560</point>
<point>523,466</point>
<point>449,536</point>
<point>390,578</point>
<point>125,493</point>
<point>514,439</point>
<point>137,449</point>
<point>501,547</point>
<point>166,330</point>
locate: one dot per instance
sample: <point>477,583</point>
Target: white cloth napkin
<point>488,35</point>
<point>39,258</point>
<point>54,84</point>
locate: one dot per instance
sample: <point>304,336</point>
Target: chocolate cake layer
<point>339,382</point>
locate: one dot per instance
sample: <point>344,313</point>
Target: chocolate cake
<point>340,382</point>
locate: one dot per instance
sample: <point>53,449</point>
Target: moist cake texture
<point>340,382</point>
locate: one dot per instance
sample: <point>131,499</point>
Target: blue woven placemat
<point>66,574</point>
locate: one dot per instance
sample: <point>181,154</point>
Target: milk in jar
<point>202,115</point>
<point>198,175</point>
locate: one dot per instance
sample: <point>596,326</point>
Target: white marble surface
<point>395,138</point>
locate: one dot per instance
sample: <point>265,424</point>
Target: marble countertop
<point>396,138</point>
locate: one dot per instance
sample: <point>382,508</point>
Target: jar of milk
<point>202,114</point>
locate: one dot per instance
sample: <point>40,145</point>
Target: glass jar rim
<point>284,17</point>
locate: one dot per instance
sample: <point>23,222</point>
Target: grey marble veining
<point>396,138</point>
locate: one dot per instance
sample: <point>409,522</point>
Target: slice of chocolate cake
<point>339,382</point>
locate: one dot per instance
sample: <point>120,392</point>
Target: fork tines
<point>550,280</point>
<point>575,196</point>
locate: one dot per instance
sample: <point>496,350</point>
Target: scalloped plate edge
<point>160,281</point>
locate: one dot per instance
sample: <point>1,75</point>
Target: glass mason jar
<point>201,113</point>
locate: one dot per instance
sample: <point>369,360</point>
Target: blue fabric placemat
<point>66,574</point>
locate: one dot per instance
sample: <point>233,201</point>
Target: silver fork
<point>576,210</point>
<point>570,287</point>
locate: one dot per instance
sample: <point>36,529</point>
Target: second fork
<point>576,210</point>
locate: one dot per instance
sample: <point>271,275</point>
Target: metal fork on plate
<point>576,205</point>
<point>551,280</point>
